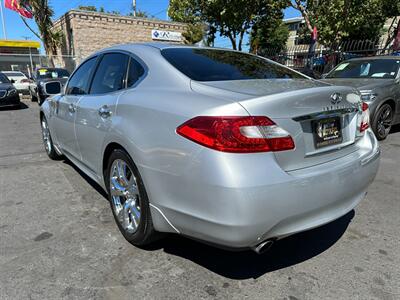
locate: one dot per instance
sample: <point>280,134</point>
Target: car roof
<point>382,57</point>
<point>8,72</point>
<point>50,68</point>
<point>153,45</point>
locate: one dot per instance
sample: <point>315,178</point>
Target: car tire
<point>33,98</point>
<point>40,100</point>
<point>382,122</point>
<point>128,199</point>
<point>47,140</point>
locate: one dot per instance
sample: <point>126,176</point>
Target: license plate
<point>327,132</point>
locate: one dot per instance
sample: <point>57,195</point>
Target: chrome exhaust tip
<point>263,247</point>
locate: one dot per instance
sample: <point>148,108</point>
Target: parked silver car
<point>378,79</point>
<point>217,145</point>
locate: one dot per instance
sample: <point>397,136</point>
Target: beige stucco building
<point>85,32</point>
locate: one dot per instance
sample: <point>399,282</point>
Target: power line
<point>161,11</point>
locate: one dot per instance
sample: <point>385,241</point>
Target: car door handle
<point>105,112</point>
<point>71,108</point>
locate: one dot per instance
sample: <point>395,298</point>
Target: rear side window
<point>110,74</point>
<point>79,82</point>
<point>135,72</point>
<point>4,78</point>
<point>219,65</point>
<point>15,74</point>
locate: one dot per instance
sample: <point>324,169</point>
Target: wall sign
<point>162,35</point>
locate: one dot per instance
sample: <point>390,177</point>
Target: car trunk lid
<point>301,107</point>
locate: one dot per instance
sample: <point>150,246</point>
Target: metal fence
<point>27,63</point>
<point>324,59</point>
<point>320,61</point>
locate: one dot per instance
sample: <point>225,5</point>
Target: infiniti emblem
<point>336,98</point>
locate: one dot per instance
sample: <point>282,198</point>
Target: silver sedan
<point>218,145</point>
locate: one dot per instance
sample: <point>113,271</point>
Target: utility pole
<point>134,7</point>
<point>2,20</point>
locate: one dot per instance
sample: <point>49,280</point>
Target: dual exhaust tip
<point>263,247</point>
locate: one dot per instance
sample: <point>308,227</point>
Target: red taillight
<point>364,125</point>
<point>237,134</point>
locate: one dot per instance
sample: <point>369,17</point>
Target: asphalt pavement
<point>58,240</point>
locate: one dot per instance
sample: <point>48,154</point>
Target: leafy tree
<point>264,37</point>
<point>338,20</point>
<point>348,20</point>
<point>42,14</point>
<point>87,8</point>
<point>230,18</point>
<point>194,33</point>
<point>139,13</point>
<point>186,11</point>
<point>302,6</point>
<point>391,9</point>
<point>269,31</point>
<point>114,12</point>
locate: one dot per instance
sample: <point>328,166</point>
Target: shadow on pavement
<point>21,106</point>
<point>247,264</point>
<point>395,129</point>
<point>89,180</point>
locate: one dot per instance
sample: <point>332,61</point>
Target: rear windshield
<point>52,73</point>
<point>374,68</point>
<point>219,65</point>
<point>15,74</point>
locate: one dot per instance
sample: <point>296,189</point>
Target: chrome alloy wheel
<point>385,119</point>
<point>46,136</point>
<point>125,196</point>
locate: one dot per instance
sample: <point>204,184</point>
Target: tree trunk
<point>233,40</point>
<point>391,36</point>
<point>240,40</point>
<point>298,6</point>
<point>49,55</point>
<point>396,44</point>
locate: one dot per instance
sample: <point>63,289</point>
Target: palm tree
<point>42,13</point>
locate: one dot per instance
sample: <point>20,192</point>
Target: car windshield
<point>376,68</point>
<point>52,73</point>
<point>4,78</point>
<point>219,65</point>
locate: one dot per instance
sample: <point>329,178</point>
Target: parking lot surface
<point>58,240</point>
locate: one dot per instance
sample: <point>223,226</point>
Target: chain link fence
<point>28,63</point>
<point>324,59</point>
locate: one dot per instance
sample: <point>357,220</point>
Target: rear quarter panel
<point>147,120</point>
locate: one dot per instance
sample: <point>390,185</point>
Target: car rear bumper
<point>240,204</point>
<point>22,88</point>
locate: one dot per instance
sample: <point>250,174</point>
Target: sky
<point>16,30</point>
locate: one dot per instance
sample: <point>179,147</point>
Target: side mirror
<point>12,81</point>
<point>52,88</point>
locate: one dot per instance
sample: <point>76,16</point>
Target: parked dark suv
<point>43,76</point>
